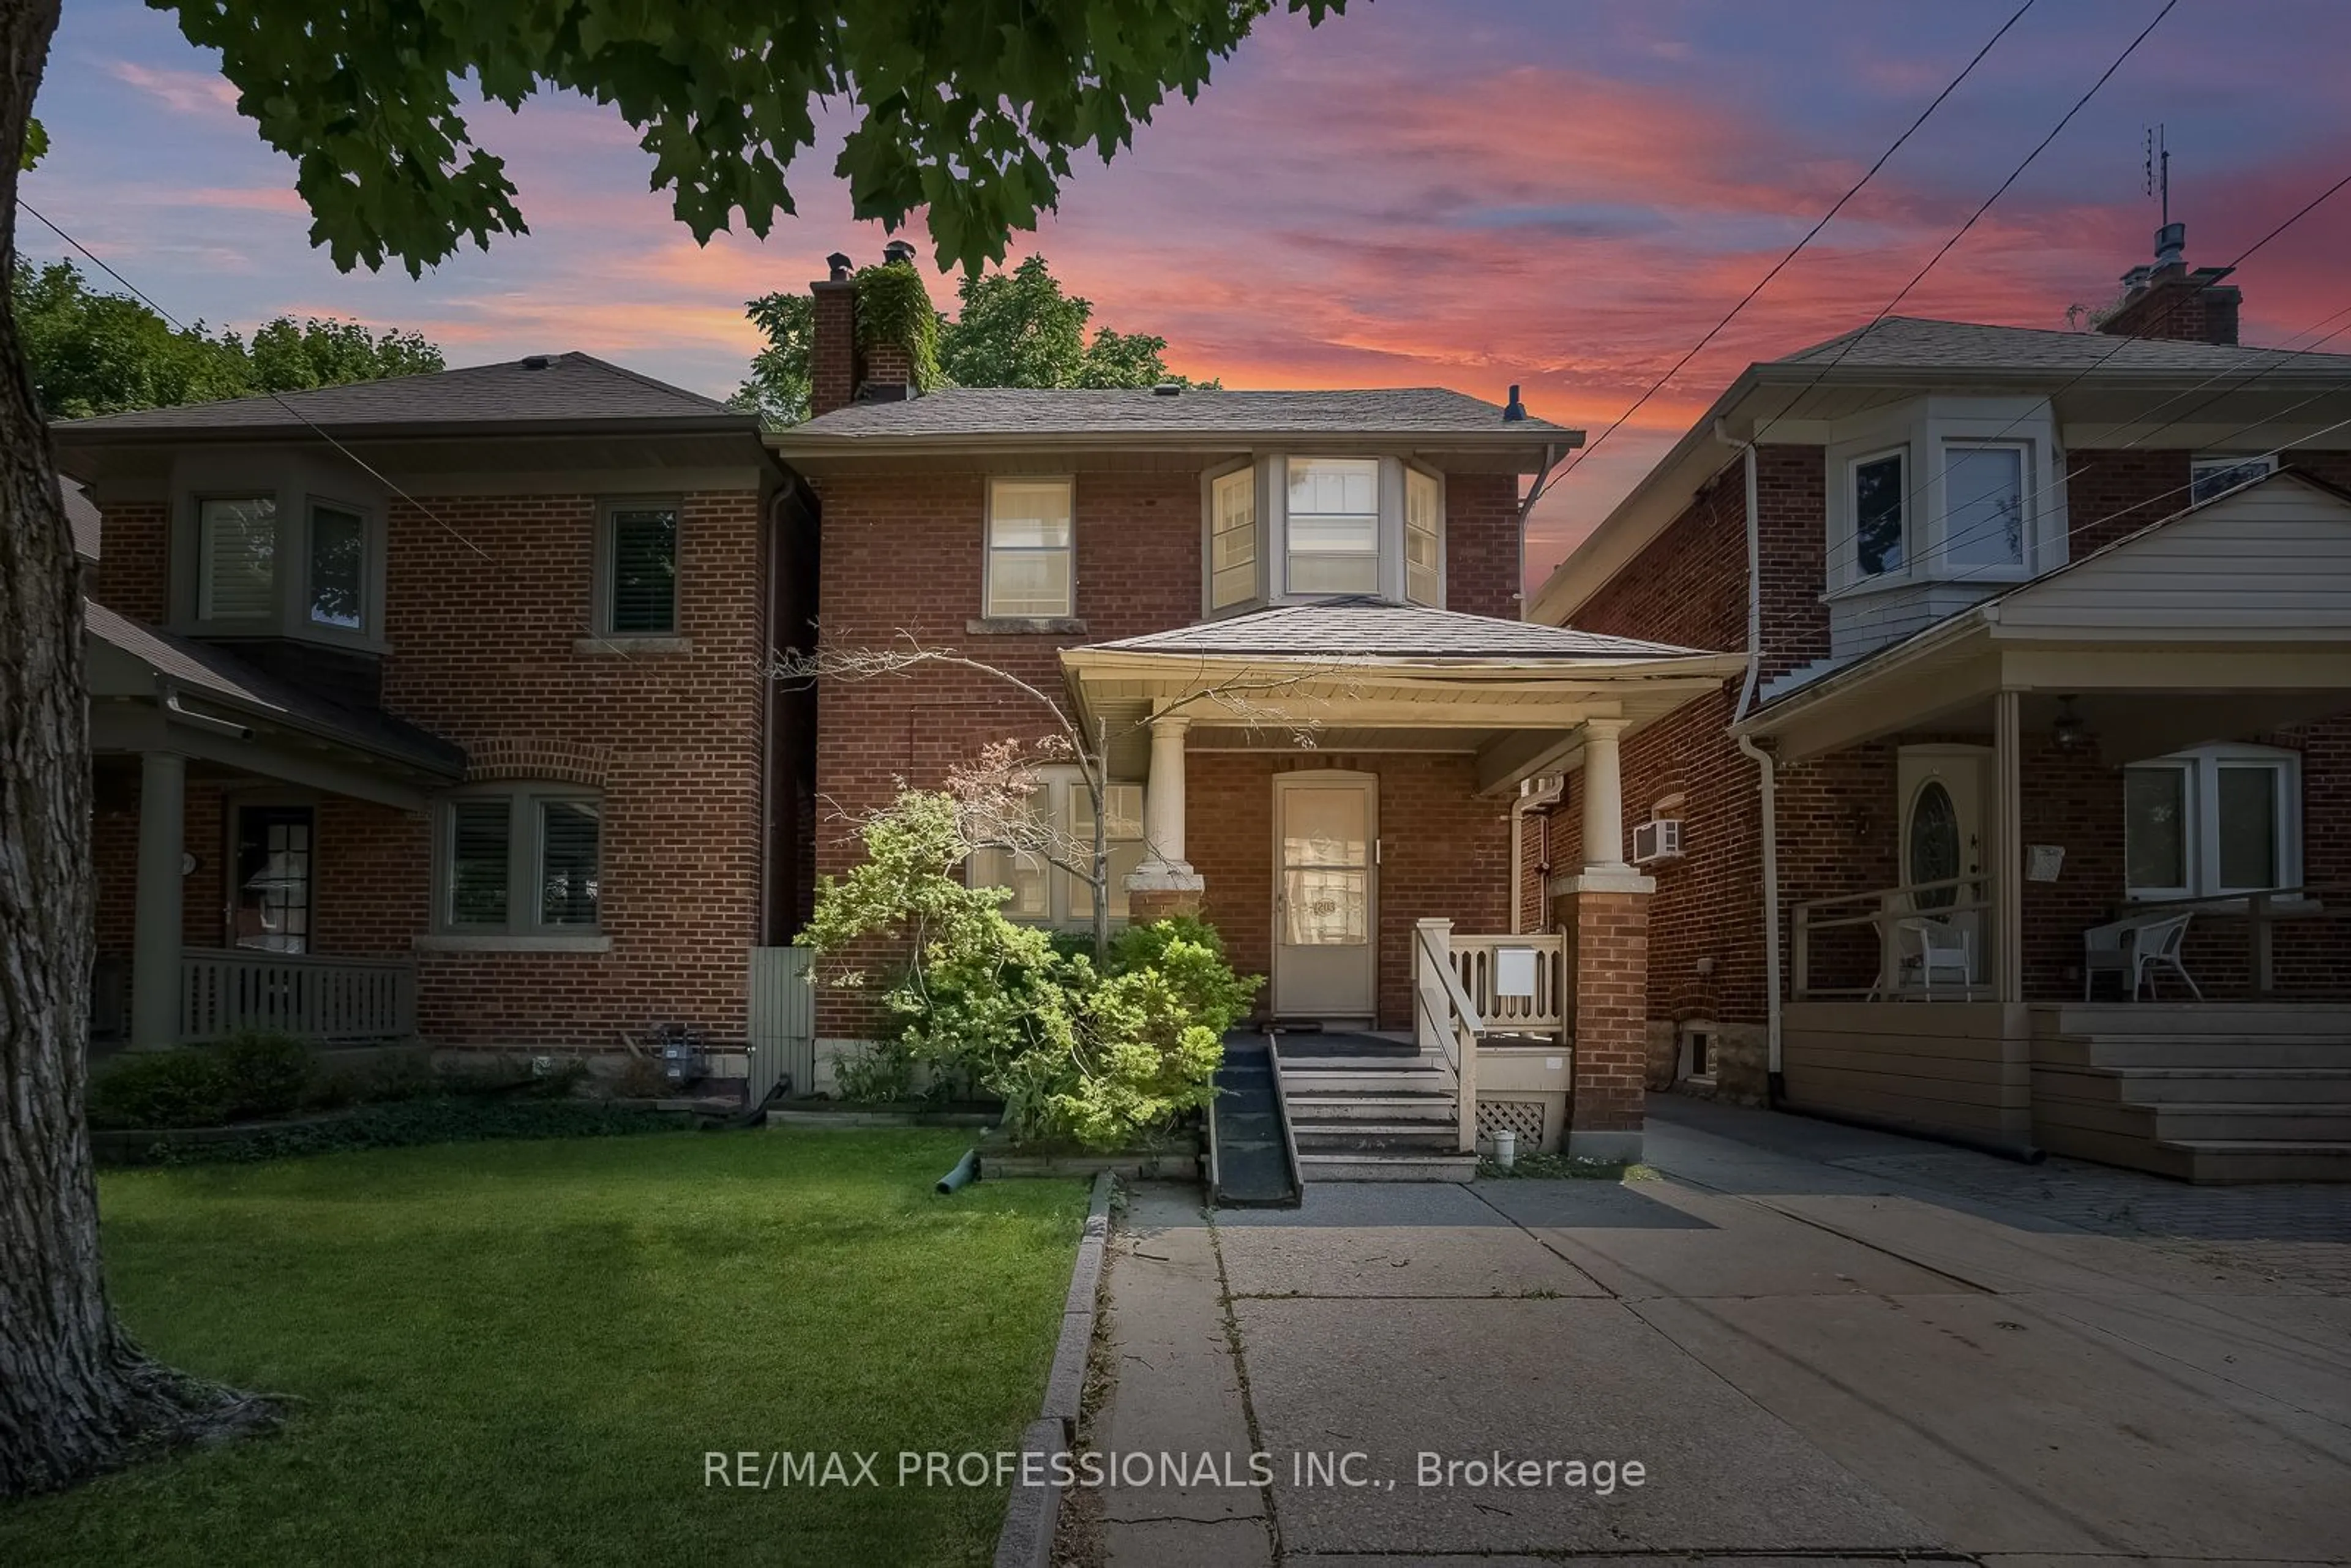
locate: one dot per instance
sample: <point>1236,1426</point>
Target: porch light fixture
<point>2070,733</point>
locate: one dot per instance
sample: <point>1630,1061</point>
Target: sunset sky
<point>1458,193</point>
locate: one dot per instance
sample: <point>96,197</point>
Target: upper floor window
<point>526,861</point>
<point>1334,516</point>
<point>1062,808</point>
<point>236,557</point>
<point>2216,474</point>
<point>1880,507</point>
<point>1305,526</point>
<point>2215,820</point>
<point>1985,494</point>
<point>1030,571</point>
<point>638,553</point>
<point>1944,489</point>
<point>337,568</point>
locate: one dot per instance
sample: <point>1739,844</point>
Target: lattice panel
<point>1522,1117</point>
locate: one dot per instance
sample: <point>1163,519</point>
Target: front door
<point>273,878</point>
<point>1325,894</point>
<point>1942,827</point>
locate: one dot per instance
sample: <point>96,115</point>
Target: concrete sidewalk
<point>1815,1342</point>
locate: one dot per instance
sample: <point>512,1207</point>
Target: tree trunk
<point>76,1398</point>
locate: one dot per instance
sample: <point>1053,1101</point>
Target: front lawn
<point>520,1353</point>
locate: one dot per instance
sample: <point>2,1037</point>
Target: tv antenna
<point>2158,170</point>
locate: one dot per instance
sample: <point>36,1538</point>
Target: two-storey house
<point>437,708</point>
<point>1289,620</point>
<point>2028,817</point>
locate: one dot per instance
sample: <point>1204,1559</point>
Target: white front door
<point>1942,825</point>
<point>1325,894</point>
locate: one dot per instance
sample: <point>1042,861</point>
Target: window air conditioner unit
<point>1658,839</point>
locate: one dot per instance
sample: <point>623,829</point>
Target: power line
<point>1777,266</point>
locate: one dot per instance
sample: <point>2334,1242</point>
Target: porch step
<point>1375,1137</point>
<point>1386,1167</point>
<point>1421,1082</point>
<point>2262,1159</point>
<point>2162,1085</point>
<point>2217,1052</point>
<point>1433,1108</point>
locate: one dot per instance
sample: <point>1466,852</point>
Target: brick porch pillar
<point>1165,885</point>
<point>1603,913</point>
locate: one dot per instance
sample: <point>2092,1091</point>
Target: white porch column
<point>1603,796</point>
<point>1165,885</point>
<point>2008,849</point>
<point>155,942</point>
<point>1163,796</point>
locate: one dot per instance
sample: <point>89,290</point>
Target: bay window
<point>1424,538</point>
<point>337,565</point>
<point>1232,539</point>
<point>1290,527</point>
<point>236,557</point>
<point>1030,572</point>
<point>1983,505</point>
<point>1880,504</point>
<point>1062,828</point>
<point>1333,517</point>
<point>2216,821</point>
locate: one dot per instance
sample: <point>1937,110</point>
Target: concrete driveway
<point>1814,1342</point>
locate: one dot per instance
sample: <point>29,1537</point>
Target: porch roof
<point>1368,675</point>
<point>2236,614</point>
<point>247,718</point>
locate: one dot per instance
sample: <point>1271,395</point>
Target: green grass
<point>518,1353</point>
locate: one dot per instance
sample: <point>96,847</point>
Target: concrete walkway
<point>1815,1343</point>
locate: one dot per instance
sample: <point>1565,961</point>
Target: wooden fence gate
<point>783,1021</point>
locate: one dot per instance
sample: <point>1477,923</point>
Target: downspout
<point>764,698</point>
<point>1526,508</point>
<point>1532,793</point>
<point>1766,780</point>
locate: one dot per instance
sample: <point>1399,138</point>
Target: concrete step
<point>1373,1139</point>
<point>1386,1167</point>
<point>2261,1159</point>
<point>1416,1080</point>
<point>1439,1108</point>
<point>2161,1086</point>
<point>2255,1122</point>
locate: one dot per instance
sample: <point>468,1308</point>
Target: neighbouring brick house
<point>439,705</point>
<point>1293,619</point>
<point>2049,640</point>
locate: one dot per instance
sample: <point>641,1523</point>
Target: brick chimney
<point>2168,300</point>
<point>841,373</point>
<point>832,347</point>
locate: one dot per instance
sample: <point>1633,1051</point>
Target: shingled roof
<point>211,672</point>
<point>1909,342</point>
<point>955,412</point>
<point>574,390</point>
<point>1377,629</point>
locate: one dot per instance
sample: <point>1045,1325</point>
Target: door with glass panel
<point>272,911</point>
<point>1325,895</point>
<point>1942,829</point>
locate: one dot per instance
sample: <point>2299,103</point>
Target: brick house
<point>1292,620</point>
<point>436,707</point>
<point>2048,643</point>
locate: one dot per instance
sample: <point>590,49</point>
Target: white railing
<point>1964,913</point>
<point>225,991</point>
<point>1445,1017</point>
<point>1534,1002</point>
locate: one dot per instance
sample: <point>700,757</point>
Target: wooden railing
<point>2262,912</point>
<point>224,991</point>
<point>1445,1017</point>
<point>1882,910</point>
<point>1540,1009</point>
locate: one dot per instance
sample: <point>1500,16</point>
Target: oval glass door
<point>1933,851</point>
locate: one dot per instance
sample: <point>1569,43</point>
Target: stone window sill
<point>617,646</point>
<point>498,941</point>
<point>1029,625</point>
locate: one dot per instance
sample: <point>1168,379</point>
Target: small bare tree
<point>996,793</point>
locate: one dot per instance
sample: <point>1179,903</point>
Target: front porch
<point>1335,788</point>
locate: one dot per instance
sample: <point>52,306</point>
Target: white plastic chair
<point>1930,949</point>
<point>2133,949</point>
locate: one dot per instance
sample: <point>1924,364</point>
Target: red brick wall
<point>903,556</point>
<point>134,552</point>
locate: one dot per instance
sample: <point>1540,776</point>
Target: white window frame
<point>1943,563</point>
<point>526,806</point>
<point>1269,482</point>
<point>204,613</point>
<point>1925,432</point>
<point>1251,474</point>
<point>989,548</point>
<point>1435,479</point>
<point>1909,536</point>
<point>2200,817</point>
<point>1383,502</point>
<point>1059,791</point>
<point>608,511</point>
<point>2205,464</point>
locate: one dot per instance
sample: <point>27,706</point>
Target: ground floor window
<point>1061,829</point>
<point>2217,819</point>
<point>525,861</point>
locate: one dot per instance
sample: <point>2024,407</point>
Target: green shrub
<point>268,1074</point>
<point>445,1120</point>
<point>1102,1055</point>
<point>161,1089</point>
<point>874,1075</point>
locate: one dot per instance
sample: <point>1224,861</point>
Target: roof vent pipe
<point>838,264</point>
<point>1517,409</point>
<point>2170,244</point>
<point>897,251</point>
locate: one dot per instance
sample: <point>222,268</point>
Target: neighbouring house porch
<point>1335,787</point>
<point>260,851</point>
